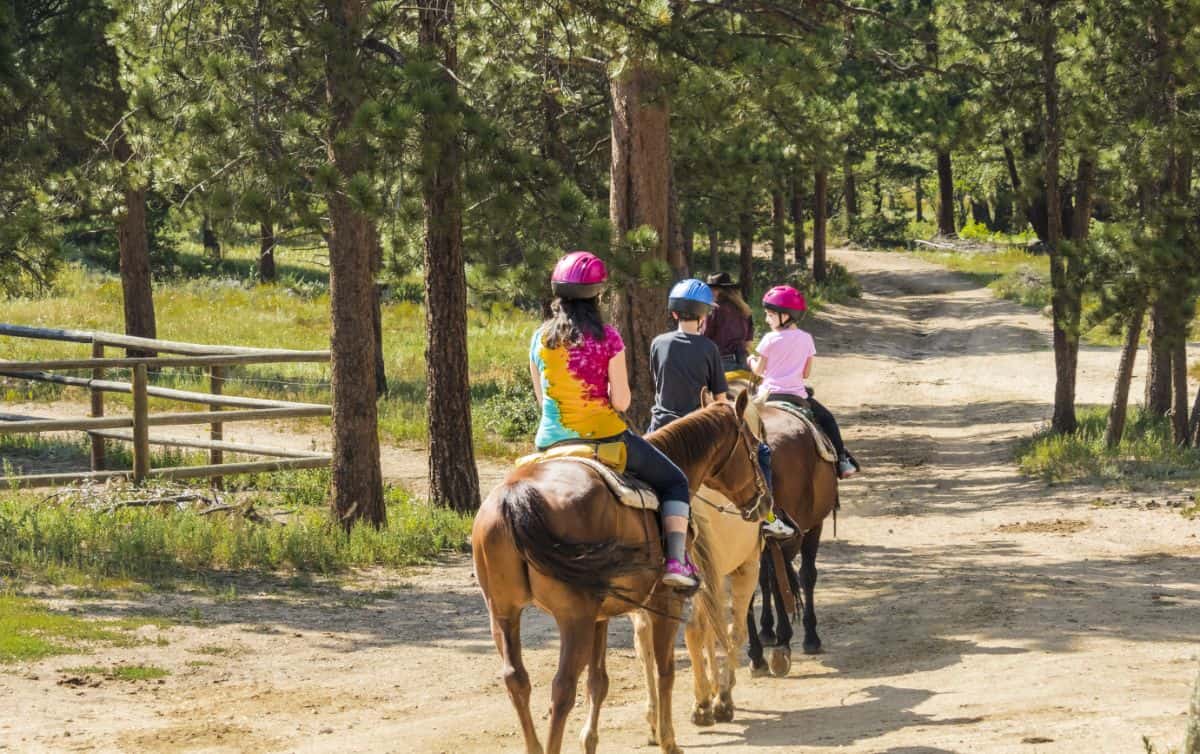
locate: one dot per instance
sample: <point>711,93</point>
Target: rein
<point>754,512</point>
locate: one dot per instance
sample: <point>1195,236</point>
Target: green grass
<point>1145,451</point>
<point>121,672</point>
<point>30,631</point>
<point>49,538</point>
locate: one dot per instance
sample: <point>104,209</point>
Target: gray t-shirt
<point>683,364</point>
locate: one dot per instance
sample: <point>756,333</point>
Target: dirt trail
<point>963,608</point>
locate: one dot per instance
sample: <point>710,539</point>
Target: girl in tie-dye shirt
<point>577,363</point>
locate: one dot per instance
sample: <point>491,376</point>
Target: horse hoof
<point>723,712</point>
<point>759,671</point>
<point>768,638</point>
<point>781,662</point>
<point>812,647</point>
<point>702,716</point>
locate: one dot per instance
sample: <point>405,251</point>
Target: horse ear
<point>740,405</point>
<point>705,397</point>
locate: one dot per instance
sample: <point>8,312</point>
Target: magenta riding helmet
<point>786,300</point>
<point>580,274</point>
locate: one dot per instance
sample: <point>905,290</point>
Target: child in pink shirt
<point>784,360</point>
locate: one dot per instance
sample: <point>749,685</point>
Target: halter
<point>754,512</point>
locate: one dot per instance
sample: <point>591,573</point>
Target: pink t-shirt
<point>786,351</point>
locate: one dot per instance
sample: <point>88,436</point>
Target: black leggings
<point>822,416</point>
<point>649,464</point>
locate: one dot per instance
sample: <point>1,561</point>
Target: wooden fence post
<point>216,456</point>
<point>141,426</point>
<point>1191,739</point>
<point>97,409</point>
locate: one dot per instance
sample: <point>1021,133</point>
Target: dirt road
<point>963,608</point>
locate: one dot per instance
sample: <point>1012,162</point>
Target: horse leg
<point>766,580</point>
<point>758,666</point>
<point>781,654</point>
<point>664,630</point>
<point>643,641</point>
<point>597,687</point>
<point>808,577</point>
<point>694,633</point>
<point>577,637</point>
<point>741,590</point>
<point>506,630</point>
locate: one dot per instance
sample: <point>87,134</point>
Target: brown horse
<point>553,535</point>
<point>805,486</point>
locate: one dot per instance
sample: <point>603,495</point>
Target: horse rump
<point>590,567</point>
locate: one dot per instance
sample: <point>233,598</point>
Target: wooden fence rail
<point>135,429</point>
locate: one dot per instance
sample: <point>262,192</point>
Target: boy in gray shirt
<point>684,361</point>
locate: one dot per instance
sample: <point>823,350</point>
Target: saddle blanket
<point>824,444</point>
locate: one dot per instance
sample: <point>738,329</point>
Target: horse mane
<point>686,441</point>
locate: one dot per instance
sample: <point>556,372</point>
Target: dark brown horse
<point>553,535</point>
<point>805,486</point>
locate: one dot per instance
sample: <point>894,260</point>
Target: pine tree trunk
<point>266,252</point>
<point>714,250</point>
<point>134,245</point>
<point>212,245</point>
<point>1118,409</point>
<point>849,195</point>
<point>920,196</point>
<point>1158,373</point>
<point>798,223</point>
<point>820,224</point>
<point>746,253</point>
<point>353,242</point>
<point>778,227</point>
<point>1194,423</point>
<point>689,245</point>
<point>453,477</point>
<point>1179,394</point>
<point>945,209</point>
<point>381,385</point>
<point>638,196</point>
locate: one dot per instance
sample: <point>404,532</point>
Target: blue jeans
<point>649,464</point>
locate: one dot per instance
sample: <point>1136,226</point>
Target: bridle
<point>754,512</point>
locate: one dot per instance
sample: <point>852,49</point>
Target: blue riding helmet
<point>691,297</point>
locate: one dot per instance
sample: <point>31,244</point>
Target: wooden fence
<point>135,428</point>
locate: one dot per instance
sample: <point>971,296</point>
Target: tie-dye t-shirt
<point>575,400</point>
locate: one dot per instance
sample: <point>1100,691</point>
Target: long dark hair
<point>732,297</point>
<point>570,320</point>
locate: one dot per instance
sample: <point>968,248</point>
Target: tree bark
<point>714,250</point>
<point>212,245</point>
<point>920,196</point>
<point>798,223</point>
<point>746,253</point>
<point>1065,340</point>
<point>453,477</point>
<point>638,196</point>
<point>820,221</point>
<point>1179,394</point>
<point>849,195</point>
<point>134,245</point>
<point>778,227</point>
<point>353,242</point>
<point>1158,372</point>
<point>266,252</point>
<point>945,209</point>
<point>1118,409</point>
<point>1194,423</point>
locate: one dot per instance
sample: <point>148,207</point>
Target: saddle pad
<point>611,454</point>
<point>824,444</point>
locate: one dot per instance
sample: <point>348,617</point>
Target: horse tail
<point>589,567</point>
<point>710,609</point>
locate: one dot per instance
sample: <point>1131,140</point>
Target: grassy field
<point>30,631</point>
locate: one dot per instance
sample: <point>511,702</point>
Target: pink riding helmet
<point>785,299</point>
<point>580,274</point>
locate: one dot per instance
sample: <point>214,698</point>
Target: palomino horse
<point>805,486</point>
<point>553,535</point>
<point>726,546</point>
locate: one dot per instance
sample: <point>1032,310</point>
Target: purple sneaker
<point>680,575</point>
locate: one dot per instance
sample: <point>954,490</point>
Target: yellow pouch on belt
<point>739,374</point>
<point>611,454</point>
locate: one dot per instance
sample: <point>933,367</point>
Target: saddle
<point>608,460</point>
<point>824,445</point>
